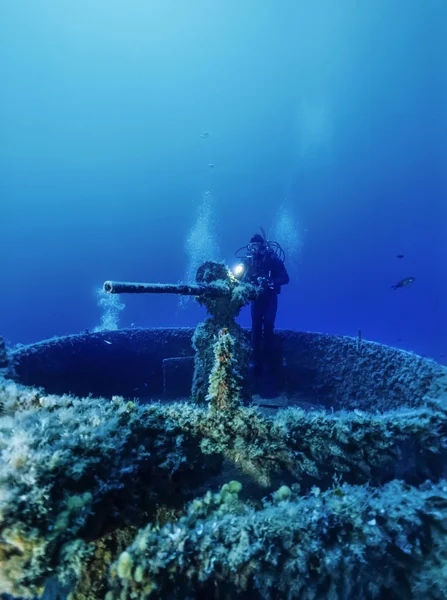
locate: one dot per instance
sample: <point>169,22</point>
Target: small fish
<point>404,282</point>
<point>211,166</point>
<point>204,135</point>
<point>107,342</point>
<point>400,255</point>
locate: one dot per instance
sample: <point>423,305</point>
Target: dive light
<point>238,270</point>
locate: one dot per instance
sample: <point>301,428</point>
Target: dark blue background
<point>334,111</point>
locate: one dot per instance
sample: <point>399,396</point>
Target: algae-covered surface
<point>334,488</point>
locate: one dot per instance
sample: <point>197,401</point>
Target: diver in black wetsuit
<point>263,267</point>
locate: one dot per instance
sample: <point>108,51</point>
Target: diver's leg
<point>271,309</point>
<point>256,333</point>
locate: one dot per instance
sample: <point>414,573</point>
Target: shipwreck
<point>143,463</point>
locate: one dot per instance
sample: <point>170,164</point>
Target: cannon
<point>208,290</point>
<point>213,281</point>
<point>223,296</point>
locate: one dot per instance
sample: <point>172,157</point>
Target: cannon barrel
<point>183,289</point>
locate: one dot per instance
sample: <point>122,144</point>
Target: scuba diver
<point>262,265</point>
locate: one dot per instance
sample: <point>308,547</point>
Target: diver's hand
<point>264,284</point>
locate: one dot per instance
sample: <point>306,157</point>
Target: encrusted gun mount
<point>223,296</point>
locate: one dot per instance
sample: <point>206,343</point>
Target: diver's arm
<point>279,273</point>
<point>247,277</point>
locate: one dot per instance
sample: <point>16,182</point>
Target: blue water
<point>327,126</point>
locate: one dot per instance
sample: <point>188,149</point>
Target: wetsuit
<point>263,309</point>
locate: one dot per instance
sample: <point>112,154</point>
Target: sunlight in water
<point>313,129</point>
<point>286,231</point>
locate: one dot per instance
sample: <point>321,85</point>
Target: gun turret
<point>223,296</point>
